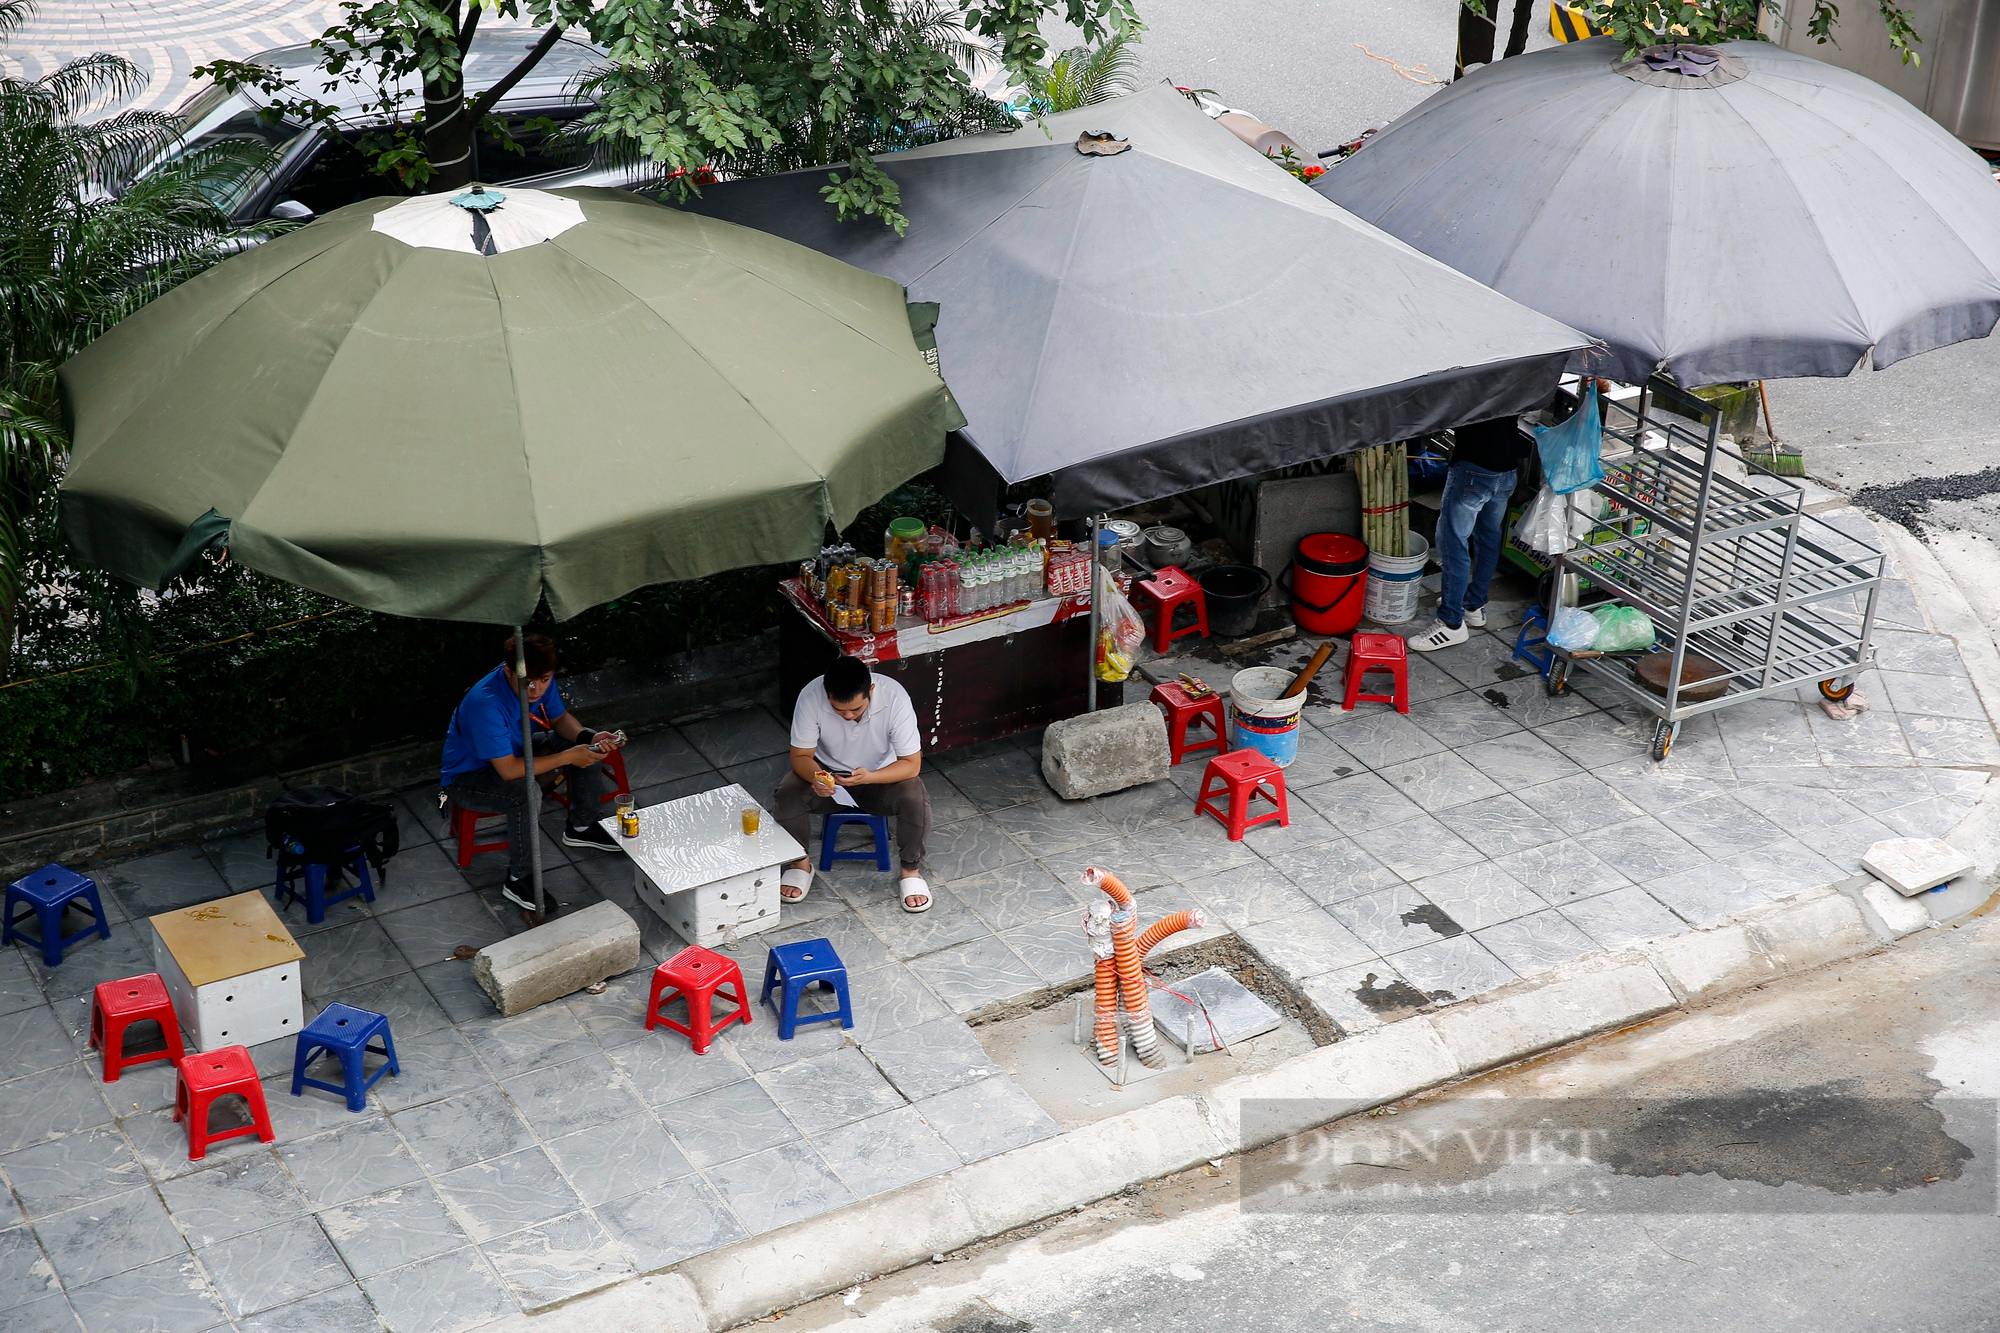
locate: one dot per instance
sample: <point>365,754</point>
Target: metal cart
<point>1728,567</point>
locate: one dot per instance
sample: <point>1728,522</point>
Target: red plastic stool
<point>1244,774</point>
<point>117,1005</point>
<point>696,974</point>
<point>465,830</point>
<point>1183,711</point>
<point>1169,588</point>
<point>615,761</point>
<point>1378,652</point>
<point>208,1075</point>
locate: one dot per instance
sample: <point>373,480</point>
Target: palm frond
<point>1084,76</point>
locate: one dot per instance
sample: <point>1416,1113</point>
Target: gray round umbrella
<point>1729,213</point>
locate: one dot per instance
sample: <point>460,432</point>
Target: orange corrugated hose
<point>1107,1012</point>
<point>1192,919</point>
<point>1125,961</point>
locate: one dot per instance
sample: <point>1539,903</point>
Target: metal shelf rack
<point>1729,567</point>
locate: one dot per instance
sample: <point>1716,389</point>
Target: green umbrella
<point>439,410</point>
<point>455,408</point>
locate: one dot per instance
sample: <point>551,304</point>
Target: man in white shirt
<point>854,731</point>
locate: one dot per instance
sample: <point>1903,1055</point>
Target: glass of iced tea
<point>753,816</point>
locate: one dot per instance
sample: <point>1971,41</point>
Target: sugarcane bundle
<point>1383,473</point>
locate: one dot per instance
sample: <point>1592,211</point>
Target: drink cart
<point>1749,595</point>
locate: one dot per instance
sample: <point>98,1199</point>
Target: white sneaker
<point>1439,635</point>
<point>1475,617</point>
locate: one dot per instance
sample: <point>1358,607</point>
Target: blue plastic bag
<point>1571,453</point>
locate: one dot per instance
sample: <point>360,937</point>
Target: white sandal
<point>794,878</point>
<point>905,892</point>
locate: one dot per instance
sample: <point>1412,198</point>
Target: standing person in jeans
<point>852,729</point>
<point>1485,459</point>
<point>483,768</point>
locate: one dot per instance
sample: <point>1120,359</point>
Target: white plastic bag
<point>1573,630</point>
<point>1544,524</point>
<point>1119,630</point>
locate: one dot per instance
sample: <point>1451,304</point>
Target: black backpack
<point>321,824</point>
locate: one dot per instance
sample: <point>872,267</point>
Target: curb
<point>1599,993</point>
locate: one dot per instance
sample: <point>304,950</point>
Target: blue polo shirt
<point>486,725</point>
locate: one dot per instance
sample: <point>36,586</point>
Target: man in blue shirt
<point>483,768</point>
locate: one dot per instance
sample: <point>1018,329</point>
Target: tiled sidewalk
<point>1491,833</point>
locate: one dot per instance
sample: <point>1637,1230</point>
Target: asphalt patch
<point>1906,502</point>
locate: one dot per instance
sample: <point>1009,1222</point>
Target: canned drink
<point>628,822</point>
<point>906,601</point>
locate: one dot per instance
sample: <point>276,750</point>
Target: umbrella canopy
<point>455,408</point>
<point>1728,213</point>
<point>1171,315</point>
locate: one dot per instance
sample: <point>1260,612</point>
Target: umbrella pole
<point>528,761</point>
<point>1090,704</point>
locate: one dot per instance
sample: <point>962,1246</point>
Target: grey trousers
<point>909,802</point>
<point>486,791</point>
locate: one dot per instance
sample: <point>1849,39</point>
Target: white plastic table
<point>697,870</point>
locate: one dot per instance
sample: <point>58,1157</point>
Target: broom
<point>1773,457</point>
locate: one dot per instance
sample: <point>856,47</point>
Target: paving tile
<point>18,988</point>
<point>1480,895</point>
<point>624,1157</point>
<point>351,1162</point>
<point>1339,995</point>
<point>1721,826</point>
<point>1484,659</point>
<point>1333,871</point>
<point>1536,942</point>
<point>996,781</point>
<point>1199,845</point>
<point>925,1061</point>
<point>1500,824</point>
<point>1932,654</point>
<point>1319,760</point>
<point>737,736</point>
<point>93,961</point>
<point>452,986</point>
<point>859,947</point>
<point>1786,866</point>
<point>502,1195</point>
<point>1428,682</point>
<point>273,1265</point>
<point>972,975</point>
<point>664,1067</point>
<point>1461,719</point>
<point>1623,917</point>
<point>1873,737</point>
<point>664,1225</point>
<point>1453,968</point>
<point>228,1200</point>
<point>883,1000</point>
<point>885,1152</point>
<point>10,1211</point>
<point>341,1310</point>
<point>1378,738</point>
<point>1642,849</point>
<point>50,1314</point>
<point>1139,867</point>
<point>727,1122</point>
<point>948,803</point>
<point>1056,950</point>
<point>574,1095</point>
<point>760,777</point>
<point>559,1259</point>
<point>421,874</point>
<point>25,1273</point>
<point>434,1064</point>
<point>830,1090</point>
<point>162,1145</point>
<point>109,1235</point>
<point>1305,943</point>
<point>760,1047</point>
<point>1138,809</point>
<point>75,1169</point>
<point>1703,894</point>
<point>986,1118</point>
<point>1393,919</point>
<point>541,1037</point>
<point>451,1293</point>
<point>1440,781</point>
<point>1876,791</point>
<point>390,1229</point>
<point>1521,759</point>
<point>350,956</point>
<point>1527,700</point>
<point>778,1186</point>
<point>1051,824</point>
<point>163,882</point>
<point>1418,847</point>
<point>913,934</point>
<point>1561,872</point>
<point>461,1129</point>
<point>970,847</point>
<point>1659,789</point>
<point>1019,894</point>
<point>1363,801</point>
<point>663,755</point>
<point>1245,897</point>
<point>1593,741</point>
<point>1577,804</point>
<point>1934,695</point>
<point>428,933</point>
<point>170,1296</point>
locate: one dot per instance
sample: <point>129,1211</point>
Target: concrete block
<point>1569,1005</point>
<point>1220,1005</point>
<point>559,958</point>
<point>808,1259</point>
<point>1811,929</point>
<point>1093,754</point>
<point>1334,1081</point>
<point>1086,1164</point>
<point>1915,865</point>
<point>1702,962</point>
<point>1899,915</point>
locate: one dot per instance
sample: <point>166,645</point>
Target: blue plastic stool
<point>1531,645</point>
<point>799,966</point>
<point>878,825</point>
<point>314,873</point>
<point>345,1031</point>
<point>45,894</point>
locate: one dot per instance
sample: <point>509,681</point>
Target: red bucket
<point>1329,582</point>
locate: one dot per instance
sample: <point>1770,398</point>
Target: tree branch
<point>485,101</point>
<point>465,33</point>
